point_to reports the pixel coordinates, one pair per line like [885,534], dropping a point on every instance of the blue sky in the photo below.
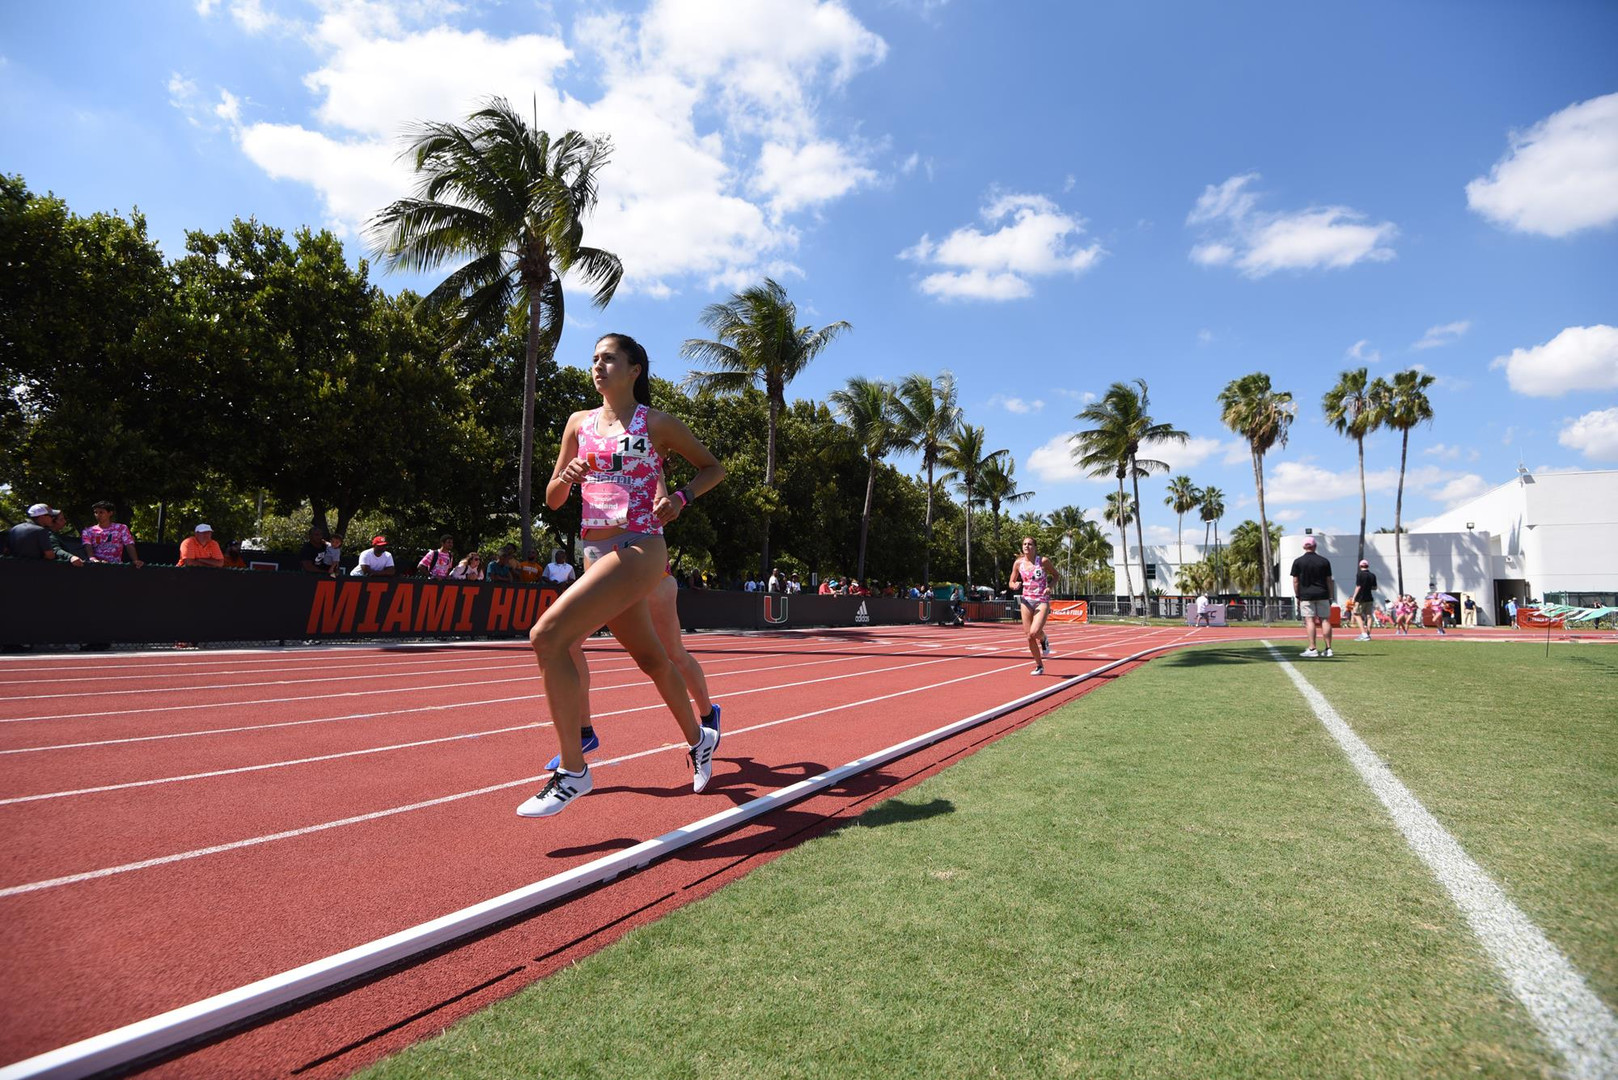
[1041,197]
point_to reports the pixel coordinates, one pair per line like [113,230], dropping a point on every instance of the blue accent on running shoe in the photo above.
[715,723]
[592,741]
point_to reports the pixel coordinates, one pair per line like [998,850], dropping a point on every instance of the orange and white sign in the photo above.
[1070,611]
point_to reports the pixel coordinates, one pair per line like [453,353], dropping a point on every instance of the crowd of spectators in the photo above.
[46,535]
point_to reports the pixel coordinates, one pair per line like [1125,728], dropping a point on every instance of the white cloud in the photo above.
[1035,238]
[815,173]
[1182,456]
[1451,453]
[1287,516]
[713,109]
[1579,358]
[1016,404]
[1442,335]
[229,108]
[1262,242]
[1303,482]
[1560,176]
[1053,462]
[1363,352]
[1595,435]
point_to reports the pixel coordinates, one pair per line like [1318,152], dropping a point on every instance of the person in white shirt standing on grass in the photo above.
[1313,586]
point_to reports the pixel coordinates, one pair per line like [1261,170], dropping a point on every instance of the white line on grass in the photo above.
[1568,1014]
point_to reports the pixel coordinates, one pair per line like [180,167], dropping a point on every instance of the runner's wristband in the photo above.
[685,497]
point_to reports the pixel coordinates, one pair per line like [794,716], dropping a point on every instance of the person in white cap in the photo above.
[1364,599]
[36,539]
[1313,586]
[201,549]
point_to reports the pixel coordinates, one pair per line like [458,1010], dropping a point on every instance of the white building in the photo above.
[1536,537]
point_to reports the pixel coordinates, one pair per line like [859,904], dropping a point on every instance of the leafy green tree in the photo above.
[511,200]
[1351,410]
[1401,407]
[998,487]
[868,407]
[1183,497]
[757,342]
[96,403]
[964,459]
[1250,408]
[1248,558]
[929,409]
[1120,511]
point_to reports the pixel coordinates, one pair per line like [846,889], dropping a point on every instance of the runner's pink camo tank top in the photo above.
[622,484]
[1035,588]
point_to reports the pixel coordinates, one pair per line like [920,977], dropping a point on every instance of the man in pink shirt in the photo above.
[106,540]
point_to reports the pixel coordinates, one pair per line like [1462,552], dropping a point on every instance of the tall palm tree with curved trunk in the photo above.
[964,458]
[1183,497]
[868,407]
[757,342]
[928,410]
[1120,511]
[998,487]
[511,201]
[1212,509]
[1351,410]
[1091,548]
[1262,416]
[1122,425]
[1401,407]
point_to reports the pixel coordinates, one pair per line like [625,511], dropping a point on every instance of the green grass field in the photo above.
[1177,875]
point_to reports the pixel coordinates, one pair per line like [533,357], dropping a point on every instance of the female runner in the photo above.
[1030,575]
[611,453]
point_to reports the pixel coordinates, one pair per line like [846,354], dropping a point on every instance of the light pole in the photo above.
[1067,545]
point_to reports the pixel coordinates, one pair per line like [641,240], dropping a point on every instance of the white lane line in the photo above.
[424,742]
[1568,1014]
[163,860]
[397,712]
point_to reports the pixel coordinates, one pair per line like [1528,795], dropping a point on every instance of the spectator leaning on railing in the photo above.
[35,538]
[375,561]
[201,549]
[106,541]
[437,564]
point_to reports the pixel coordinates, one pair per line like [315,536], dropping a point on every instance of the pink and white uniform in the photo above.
[622,484]
[1036,588]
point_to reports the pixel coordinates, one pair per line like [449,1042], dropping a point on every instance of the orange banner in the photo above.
[1531,617]
[1070,611]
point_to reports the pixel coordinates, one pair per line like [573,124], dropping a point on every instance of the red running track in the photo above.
[180,824]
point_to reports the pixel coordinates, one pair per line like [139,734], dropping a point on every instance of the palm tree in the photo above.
[868,407]
[1122,424]
[1351,410]
[1213,508]
[1401,407]
[963,458]
[511,201]
[1120,511]
[757,340]
[997,487]
[1091,548]
[928,411]
[1183,497]
[1250,408]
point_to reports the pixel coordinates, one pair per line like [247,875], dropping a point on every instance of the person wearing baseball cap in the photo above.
[201,549]
[36,538]
[1313,586]
[376,560]
[1364,599]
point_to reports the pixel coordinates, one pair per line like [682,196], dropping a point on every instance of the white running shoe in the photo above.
[1039,669]
[701,756]
[1328,651]
[562,788]
[1045,646]
[1308,652]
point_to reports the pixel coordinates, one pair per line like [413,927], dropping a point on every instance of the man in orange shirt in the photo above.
[201,549]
